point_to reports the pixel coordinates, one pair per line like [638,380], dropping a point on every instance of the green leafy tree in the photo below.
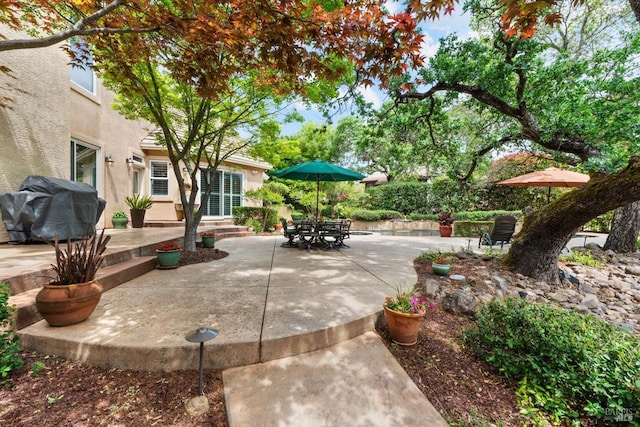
[582,110]
[198,134]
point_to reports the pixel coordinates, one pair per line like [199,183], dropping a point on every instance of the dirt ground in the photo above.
[49,391]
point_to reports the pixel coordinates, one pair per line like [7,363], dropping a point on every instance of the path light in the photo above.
[201,335]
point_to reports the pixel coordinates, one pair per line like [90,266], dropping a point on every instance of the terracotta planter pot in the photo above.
[63,305]
[208,241]
[137,218]
[446,230]
[441,269]
[403,327]
[168,259]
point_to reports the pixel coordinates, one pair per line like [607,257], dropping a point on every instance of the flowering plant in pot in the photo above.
[208,239]
[446,224]
[404,313]
[74,293]
[168,255]
[441,265]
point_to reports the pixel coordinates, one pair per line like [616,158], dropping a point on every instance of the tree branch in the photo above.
[78,29]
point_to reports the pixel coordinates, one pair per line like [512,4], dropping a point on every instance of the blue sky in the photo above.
[458,23]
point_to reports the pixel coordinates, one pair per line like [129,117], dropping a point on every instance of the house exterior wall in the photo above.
[45,110]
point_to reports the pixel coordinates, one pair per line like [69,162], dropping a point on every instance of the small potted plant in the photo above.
[446,224]
[208,239]
[168,255]
[441,266]
[119,220]
[404,313]
[138,205]
[74,293]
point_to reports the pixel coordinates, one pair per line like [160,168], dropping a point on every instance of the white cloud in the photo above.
[371,95]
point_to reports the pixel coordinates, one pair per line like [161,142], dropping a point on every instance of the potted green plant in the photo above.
[138,205]
[446,224]
[208,239]
[74,293]
[404,313]
[168,255]
[441,266]
[119,220]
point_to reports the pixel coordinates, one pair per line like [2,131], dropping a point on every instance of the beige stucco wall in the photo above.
[95,122]
[34,131]
[45,110]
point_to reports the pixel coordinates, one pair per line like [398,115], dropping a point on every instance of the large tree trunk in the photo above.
[635,6]
[625,227]
[536,249]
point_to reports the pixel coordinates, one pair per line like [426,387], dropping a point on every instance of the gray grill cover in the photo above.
[45,207]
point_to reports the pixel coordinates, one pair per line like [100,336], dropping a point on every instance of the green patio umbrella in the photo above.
[318,170]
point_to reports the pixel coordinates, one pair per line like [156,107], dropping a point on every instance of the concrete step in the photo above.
[109,277]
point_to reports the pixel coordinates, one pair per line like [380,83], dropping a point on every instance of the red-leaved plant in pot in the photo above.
[446,224]
[74,293]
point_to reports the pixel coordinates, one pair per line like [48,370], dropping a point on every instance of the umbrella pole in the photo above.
[549,195]
[317,199]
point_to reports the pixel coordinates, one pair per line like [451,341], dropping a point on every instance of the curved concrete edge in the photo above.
[184,357]
[315,340]
[354,383]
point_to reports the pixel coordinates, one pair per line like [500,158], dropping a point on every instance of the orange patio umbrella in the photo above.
[550,177]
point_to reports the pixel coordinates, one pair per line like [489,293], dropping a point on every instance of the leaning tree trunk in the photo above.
[625,227]
[536,249]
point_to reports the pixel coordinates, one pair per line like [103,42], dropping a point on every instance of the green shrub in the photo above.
[600,224]
[484,215]
[377,215]
[297,215]
[415,216]
[582,258]
[242,214]
[404,197]
[567,364]
[9,346]
[471,228]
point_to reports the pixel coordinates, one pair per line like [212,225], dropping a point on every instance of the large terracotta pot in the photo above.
[403,327]
[63,305]
[446,230]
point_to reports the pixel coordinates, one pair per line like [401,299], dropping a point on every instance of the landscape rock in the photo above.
[611,292]
[460,302]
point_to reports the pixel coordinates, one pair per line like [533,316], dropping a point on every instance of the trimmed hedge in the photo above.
[471,228]
[377,215]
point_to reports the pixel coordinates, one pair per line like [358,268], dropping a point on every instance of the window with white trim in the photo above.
[81,73]
[159,177]
[84,167]
[226,193]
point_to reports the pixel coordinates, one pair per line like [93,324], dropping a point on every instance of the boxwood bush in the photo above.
[567,364]
[375,215]
[471,228]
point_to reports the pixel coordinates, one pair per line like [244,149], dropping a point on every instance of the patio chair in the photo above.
[501,232]
[289,233]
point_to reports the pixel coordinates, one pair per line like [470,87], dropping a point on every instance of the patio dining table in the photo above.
[327,234]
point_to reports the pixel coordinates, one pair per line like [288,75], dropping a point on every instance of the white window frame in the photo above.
[97,174]
[87,69]
[153,178]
